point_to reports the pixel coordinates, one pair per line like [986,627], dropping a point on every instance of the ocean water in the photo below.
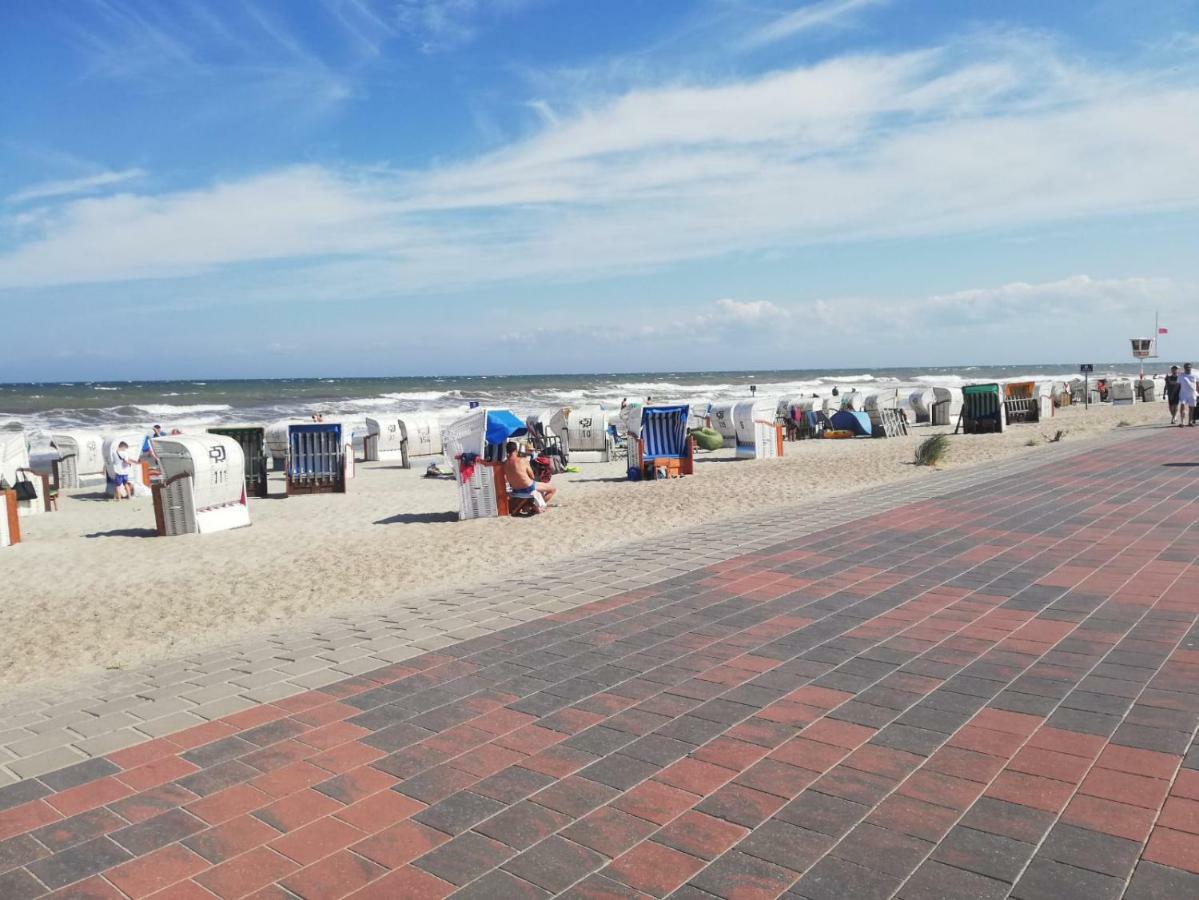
[43,407]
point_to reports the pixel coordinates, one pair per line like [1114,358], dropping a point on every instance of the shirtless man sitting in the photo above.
[520,475]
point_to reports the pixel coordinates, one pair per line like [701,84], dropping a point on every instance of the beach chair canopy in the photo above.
[479,427]
[664,430]
[502,425]
[850,420]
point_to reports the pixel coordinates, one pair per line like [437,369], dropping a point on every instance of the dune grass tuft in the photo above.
[932,449]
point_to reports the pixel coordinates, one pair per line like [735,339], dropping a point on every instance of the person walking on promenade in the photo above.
[1188,394]
[1172,393]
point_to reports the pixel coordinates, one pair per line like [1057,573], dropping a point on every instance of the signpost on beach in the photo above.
[1085,371]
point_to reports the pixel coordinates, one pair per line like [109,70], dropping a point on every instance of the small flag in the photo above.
[1163,331]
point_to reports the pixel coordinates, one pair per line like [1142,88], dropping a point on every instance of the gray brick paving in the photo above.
[46,729]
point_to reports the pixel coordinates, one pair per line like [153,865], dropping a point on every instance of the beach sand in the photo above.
[92,588]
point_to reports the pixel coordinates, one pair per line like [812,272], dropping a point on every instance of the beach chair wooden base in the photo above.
[10,524]
[315,487]
[522,507]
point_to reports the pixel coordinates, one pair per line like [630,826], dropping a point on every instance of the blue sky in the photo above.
[455,186]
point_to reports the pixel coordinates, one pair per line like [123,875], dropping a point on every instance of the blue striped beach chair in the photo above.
[316,459]
[664,442]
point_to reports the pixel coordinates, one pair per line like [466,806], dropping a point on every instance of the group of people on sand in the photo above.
[122,465]
[1182,394]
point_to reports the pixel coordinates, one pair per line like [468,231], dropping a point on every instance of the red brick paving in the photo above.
[990,694]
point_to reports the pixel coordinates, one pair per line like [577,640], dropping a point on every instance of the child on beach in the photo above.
[120,469]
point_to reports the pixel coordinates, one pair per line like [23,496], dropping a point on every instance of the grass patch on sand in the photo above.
[932,450]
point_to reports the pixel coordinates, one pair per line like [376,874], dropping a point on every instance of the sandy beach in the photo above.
[92,588]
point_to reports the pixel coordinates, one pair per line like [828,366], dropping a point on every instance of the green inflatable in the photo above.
[707,438]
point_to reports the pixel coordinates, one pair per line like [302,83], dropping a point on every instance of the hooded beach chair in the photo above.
[252,441]
[723,421]
[1120,391]
[80,458]
[946,405]
[921,402]
[587,435]
[758,432]
[203,485]
[1022,401]
[384,442]
[983,409]
[658,440]
[475,446]
[317,462]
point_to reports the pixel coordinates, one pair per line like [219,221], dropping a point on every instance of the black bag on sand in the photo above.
[24,488]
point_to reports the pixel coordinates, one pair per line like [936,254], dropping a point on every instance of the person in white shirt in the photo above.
[1188,394]
[120,470]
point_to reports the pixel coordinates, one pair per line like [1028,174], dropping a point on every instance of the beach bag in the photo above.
[24,488]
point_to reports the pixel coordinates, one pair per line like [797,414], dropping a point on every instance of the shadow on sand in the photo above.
[418,518]
[124,532]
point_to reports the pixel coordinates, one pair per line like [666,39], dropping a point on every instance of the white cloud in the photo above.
[1005,134]
[811,16]
[1034,317]
[71,186]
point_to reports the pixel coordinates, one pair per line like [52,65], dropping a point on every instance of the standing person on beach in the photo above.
[148,444]
[1188,394]
[121,467]
[1172,393]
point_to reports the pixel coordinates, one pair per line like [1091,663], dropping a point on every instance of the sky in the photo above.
[285,188]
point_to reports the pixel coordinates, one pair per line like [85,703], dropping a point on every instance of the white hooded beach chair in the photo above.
[420,436]
[80,458]
[946,406]
[587,435]
[203,485]
[1120,391]
[921,402]
[758,432]
[384,441]
[723,421]
[475,446]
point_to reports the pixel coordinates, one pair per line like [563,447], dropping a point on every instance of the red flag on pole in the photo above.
[1163,331]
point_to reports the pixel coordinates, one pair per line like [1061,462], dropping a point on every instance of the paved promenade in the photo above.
[989,693]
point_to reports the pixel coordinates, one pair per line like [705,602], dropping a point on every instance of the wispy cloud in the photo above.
[186,46]
[88,184]
[1004,134]
[810,17]
[440,25]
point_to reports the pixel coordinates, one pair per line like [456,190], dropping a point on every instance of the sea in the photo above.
[43,407]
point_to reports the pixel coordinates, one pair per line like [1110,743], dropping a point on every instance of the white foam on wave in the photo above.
[666,387]
[167,409]
[100,387]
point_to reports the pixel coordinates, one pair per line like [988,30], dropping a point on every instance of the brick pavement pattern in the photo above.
[993,693]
